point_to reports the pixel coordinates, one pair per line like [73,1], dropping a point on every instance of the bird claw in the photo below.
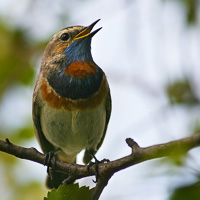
[96,163]
[50,161]
[48,158]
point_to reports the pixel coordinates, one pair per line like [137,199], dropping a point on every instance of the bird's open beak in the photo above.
[86,32]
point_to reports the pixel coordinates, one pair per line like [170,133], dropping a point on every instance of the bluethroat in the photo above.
[71,99]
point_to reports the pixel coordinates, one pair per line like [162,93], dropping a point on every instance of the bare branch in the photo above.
[106,170]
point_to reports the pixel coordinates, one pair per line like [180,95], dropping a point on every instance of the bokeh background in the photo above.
[150,52]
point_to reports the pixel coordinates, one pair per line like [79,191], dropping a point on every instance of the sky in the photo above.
[143,46]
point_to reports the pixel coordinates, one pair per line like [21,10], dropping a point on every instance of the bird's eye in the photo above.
[64,36]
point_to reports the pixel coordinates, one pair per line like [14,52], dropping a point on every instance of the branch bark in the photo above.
[106,170]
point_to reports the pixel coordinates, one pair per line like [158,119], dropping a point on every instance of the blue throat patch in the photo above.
[79,51]
[75,88]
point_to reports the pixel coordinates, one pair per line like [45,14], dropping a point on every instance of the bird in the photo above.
[71,100]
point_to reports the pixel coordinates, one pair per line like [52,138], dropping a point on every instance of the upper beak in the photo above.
[86,32]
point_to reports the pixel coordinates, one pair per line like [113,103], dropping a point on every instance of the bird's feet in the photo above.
[50,161]
[96,163]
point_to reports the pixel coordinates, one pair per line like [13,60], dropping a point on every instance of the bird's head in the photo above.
[71,44]
[67,63]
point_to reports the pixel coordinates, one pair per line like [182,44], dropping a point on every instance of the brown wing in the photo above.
[87,156]
[36,111]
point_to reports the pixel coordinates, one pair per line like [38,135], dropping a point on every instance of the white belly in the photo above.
[73,131]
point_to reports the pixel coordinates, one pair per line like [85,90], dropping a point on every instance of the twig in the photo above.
[106,170]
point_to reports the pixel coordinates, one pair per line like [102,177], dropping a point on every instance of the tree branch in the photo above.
[106,170]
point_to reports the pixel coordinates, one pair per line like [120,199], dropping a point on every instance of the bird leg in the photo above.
[96,163]
[49,157]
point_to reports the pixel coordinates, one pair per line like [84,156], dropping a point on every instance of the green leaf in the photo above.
[69,192]
[188,192]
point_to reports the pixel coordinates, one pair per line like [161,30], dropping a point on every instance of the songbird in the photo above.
[71,99]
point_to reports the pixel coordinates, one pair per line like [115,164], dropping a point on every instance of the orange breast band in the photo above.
[56,101]
[81,69]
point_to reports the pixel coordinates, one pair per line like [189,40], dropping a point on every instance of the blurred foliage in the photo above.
[191,10]
[30,191]
[188,192]
[181,92]
[178,160]
[196,126]
[69,192]
[19,135]
[16,52]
